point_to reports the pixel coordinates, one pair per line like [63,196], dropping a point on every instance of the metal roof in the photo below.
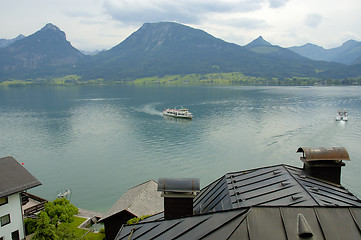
[279,185]
[194,227]
[320,154]
[276,202]
[143,199]
[269,223]
[14,177]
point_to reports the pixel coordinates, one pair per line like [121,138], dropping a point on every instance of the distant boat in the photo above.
[342,115]
[178,113]
[64,194]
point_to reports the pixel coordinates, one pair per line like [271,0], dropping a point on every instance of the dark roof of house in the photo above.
[276,202]
[143,199]
[279,185]
[14,177]
[255,223]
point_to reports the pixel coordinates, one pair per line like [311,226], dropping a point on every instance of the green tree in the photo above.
[60,210]
[44,230]
[47,224]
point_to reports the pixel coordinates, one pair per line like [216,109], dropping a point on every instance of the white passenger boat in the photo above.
[342,115]
[178,113]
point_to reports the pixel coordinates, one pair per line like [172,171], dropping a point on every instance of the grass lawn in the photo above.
[80,232]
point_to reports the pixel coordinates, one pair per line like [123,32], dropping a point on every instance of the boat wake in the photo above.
[149,109]
[100,99]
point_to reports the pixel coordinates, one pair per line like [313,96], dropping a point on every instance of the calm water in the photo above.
[101,141]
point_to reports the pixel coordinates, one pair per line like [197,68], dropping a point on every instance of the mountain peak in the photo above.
[349,44]
[258,42]
[165,27]
[152,37]
[19,37]
[44,49]
[51,27]
[6,42]
[311,47]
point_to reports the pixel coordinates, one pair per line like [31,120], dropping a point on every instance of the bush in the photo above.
[30,225]
[65,233]
[136,219]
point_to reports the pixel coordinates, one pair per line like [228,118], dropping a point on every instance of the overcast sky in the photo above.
[102,24]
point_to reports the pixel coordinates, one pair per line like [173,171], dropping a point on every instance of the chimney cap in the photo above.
[324,154]
[178,185]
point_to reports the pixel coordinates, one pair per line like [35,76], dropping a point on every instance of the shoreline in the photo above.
[85,213]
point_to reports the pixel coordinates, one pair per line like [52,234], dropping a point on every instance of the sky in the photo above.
[102,24]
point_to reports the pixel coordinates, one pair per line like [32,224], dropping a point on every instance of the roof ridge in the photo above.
[303,187]
[150,180]
[254,169]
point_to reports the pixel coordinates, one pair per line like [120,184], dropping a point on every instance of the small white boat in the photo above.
[342,115]
[64,194]
[178,113]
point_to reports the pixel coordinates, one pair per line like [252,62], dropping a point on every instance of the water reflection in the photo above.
[177,120]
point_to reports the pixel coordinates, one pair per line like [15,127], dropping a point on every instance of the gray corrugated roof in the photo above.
[253,223]
[14,177]
[140,200]
[280,185]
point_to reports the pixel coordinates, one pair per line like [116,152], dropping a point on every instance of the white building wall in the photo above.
[13,207]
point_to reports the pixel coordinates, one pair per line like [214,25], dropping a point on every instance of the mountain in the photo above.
[258,42]
[261,46]
[311,51]
[158,49]
[164,48]
[348,53]
[91,52]
[357,60]
[6,42]
[43,52]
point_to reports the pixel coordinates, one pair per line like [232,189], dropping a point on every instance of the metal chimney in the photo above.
[324,163]
[178,196]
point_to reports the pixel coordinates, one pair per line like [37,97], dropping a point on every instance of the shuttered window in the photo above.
[5,220]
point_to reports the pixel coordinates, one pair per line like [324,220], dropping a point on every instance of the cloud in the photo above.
[244,23]
[184,11]
[79,14]
[277,3]
[138,11]
[313,20]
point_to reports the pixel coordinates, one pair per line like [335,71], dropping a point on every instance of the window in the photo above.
[3,201]
[15,235]
[5,220]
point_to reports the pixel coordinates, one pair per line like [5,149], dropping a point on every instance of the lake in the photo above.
[99,141]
